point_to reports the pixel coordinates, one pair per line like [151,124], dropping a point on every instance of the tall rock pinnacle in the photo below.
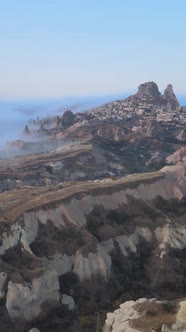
[149,93]
[170,98]
[26,131]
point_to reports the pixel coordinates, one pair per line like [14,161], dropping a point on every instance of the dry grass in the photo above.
[155,315]
[14,202]
[31,160]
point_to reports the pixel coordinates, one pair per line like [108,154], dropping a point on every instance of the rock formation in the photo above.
[112,132]
[147,315]
[177,156]
[16,144]
[42,129]
[151,130]
[26,131]
[119,134]
[170,98]
[149,93]
[57,121]
[68,118]
[182,135]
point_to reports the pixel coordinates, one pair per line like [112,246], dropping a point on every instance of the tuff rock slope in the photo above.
[118,236]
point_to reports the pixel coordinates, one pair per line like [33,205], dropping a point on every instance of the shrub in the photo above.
[84,322]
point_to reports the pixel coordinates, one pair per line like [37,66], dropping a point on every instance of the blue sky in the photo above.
[56,48]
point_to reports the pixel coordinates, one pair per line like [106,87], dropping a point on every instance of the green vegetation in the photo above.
[100,217]
[51,239]
[84,323]
[98,323]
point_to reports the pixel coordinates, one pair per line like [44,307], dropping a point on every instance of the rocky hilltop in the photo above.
[117,139]
[149,93]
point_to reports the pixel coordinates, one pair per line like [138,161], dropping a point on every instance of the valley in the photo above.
[92,215]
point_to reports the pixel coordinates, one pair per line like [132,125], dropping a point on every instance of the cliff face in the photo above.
[100,238]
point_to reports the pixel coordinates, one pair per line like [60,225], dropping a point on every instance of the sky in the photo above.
[59,48]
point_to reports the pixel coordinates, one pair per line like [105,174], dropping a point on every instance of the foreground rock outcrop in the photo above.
[147,315]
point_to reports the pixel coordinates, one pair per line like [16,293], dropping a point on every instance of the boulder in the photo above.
[68,301]
[181,315]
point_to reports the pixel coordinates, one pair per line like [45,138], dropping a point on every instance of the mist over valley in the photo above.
[15,114]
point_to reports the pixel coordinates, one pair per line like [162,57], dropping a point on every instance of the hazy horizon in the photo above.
[14,114]
[110,97]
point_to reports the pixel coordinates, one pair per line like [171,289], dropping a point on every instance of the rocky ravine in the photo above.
[121,237]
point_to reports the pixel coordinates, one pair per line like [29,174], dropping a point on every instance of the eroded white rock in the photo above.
[25,301]
[68,301]
[98,263]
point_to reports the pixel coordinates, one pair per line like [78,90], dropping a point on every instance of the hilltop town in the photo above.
[132,135]
[139,113]
[147,103]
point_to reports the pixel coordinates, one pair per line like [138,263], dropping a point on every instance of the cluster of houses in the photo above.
[119,110]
